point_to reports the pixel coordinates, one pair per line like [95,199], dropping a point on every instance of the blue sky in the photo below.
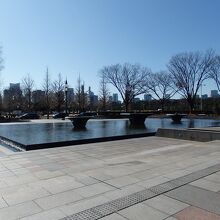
[75,37]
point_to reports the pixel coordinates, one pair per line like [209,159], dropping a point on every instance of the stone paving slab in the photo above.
[166,204]
[19,179]
[122,181]
[19,211]
[153,182]
[46,215]
[114,217]
[192,213]
[59,184]
[84,179]
[214,177]
[207,184]
[58,199]
[94,189]
[24,194]
[142,212]
[195,196]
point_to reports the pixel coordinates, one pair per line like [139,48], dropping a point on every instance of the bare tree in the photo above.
[161,85]
[47,87]
[83,97]
[215,72]
[58,87]
[189,70]
[28,85]
[103,92]
[128,79]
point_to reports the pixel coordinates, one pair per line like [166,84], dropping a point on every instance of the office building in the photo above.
[205,96]
[12,97]
[115,97]
[147,97]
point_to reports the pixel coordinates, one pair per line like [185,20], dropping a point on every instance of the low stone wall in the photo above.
[186,134]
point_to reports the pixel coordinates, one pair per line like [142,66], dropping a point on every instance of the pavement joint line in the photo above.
[101,181]
[116,205]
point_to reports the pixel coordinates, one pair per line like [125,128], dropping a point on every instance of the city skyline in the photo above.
[80,37]
[115,96]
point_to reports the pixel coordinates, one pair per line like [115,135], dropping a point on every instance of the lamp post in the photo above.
[66,90]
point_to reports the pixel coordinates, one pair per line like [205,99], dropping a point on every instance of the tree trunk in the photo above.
[127,106]
[162,102]
[191,106]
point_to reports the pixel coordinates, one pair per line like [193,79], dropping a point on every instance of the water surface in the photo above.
[36,133]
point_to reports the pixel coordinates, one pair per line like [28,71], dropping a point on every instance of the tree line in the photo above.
[185,74]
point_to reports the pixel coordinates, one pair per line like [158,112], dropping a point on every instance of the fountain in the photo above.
[176,117]
[79,122]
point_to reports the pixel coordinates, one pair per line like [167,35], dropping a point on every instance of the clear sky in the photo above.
[75,37]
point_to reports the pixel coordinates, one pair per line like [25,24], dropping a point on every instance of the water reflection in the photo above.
[104,124]
[191,123]
[215,123]
[130,126]
[176,122]
[162,122]
[79,129]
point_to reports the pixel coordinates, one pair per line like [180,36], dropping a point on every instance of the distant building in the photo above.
[70,94]
[205,96]
[136,100]
[115,97]
[12,97]
[14,87]
[147,97]
[110,98]
[93,99]
[214,93]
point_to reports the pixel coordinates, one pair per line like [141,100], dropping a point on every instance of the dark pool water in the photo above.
[36,133]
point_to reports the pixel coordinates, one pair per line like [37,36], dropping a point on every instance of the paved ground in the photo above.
[56,183]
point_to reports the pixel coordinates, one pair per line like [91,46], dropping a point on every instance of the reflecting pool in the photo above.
[37,133]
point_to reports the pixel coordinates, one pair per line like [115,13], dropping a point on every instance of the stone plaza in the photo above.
[142,178]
